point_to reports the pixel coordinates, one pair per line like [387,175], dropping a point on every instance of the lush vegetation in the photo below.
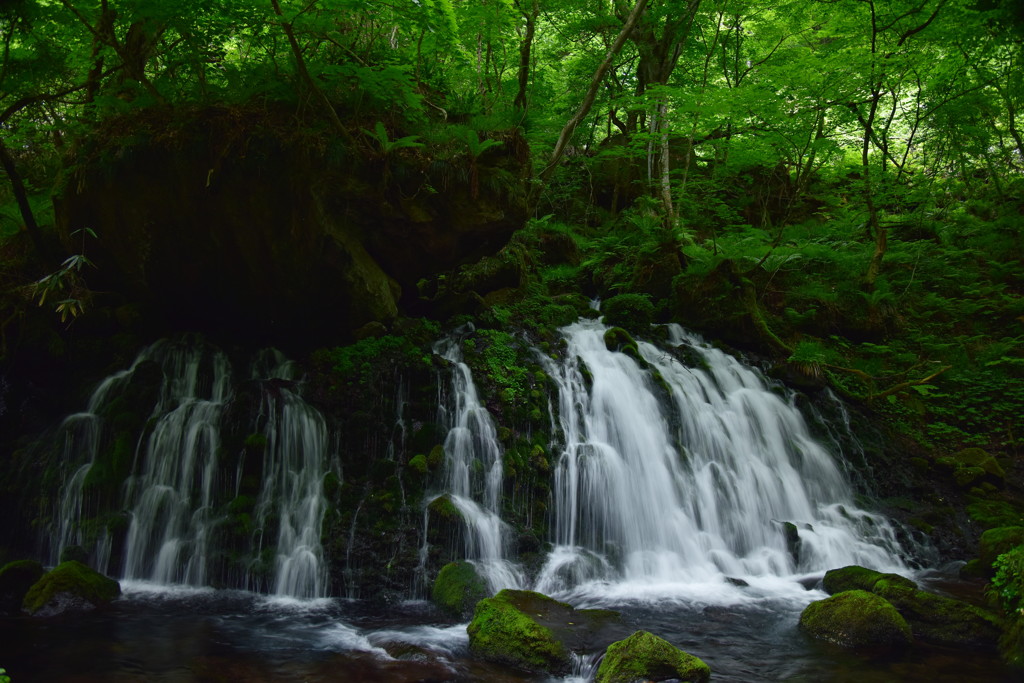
[834,185]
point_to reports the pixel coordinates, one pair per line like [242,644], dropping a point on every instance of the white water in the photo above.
[670,490]
[176,493]
[474,475]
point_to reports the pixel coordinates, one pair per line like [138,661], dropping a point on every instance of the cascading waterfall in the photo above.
[474,475]
[685,481]
[294,465]
[177,494]
[170,499]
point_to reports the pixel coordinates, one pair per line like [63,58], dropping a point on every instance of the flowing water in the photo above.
[688,493]
[178,480]
[474,476]
[692,482]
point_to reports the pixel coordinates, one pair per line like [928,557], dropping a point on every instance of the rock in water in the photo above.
[531,631]
[646,657]
[69,587]
[856,618]
[458,588]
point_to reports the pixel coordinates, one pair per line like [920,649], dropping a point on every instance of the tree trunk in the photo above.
[21,197]
[595,83]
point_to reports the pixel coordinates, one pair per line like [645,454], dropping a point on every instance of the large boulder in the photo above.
[15,580]
[646,657]
[855,577]
[70,587]
[938,619]
[458,587]
[932,618]
[530,631]
[856,618]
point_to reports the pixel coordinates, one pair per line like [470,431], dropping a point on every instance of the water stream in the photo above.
[687,492]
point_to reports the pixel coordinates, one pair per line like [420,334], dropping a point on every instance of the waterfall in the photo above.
[474,474]
[691,481]
[294,464]
[182,485]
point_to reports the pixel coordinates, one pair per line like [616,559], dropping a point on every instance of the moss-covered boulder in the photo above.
[15,580]
[938,619]
[646,657]
[995,542]
[632,311]
[458,588]
[531,631]
[976,458]
[855,577]
[69,587]
[504,630]
[856,618]
[932,618]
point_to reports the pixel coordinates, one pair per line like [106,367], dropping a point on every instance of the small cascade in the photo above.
[473,475]
[688,480]
[182,489]
[170,497]
[294,465]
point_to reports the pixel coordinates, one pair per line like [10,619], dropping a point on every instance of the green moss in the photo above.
[644,656]
[632,311]
[418,463]
[436,457]
[458,588]
[855,577]
[443,508]
[938,619]
[502,632]
[617,339]
[995,542]
[856,618]
[72,578]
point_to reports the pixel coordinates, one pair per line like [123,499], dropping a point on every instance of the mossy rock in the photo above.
[646,657]
[436,457]
[855,577]
[458,588]
[941,620]
[617,339]
[69,587]
[443,509]
[632,311]
[418,463]
[932,618]
[533,632]
[502,631]
[857,618]
[15,580]
[995,542]
[978,458]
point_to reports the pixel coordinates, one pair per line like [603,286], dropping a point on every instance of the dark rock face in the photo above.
[213,220]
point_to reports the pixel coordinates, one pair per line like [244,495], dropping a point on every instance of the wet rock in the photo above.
[531,631]
[856,618]
[458,588]
[69,587]
[646,657]
[932,618]
[855,577]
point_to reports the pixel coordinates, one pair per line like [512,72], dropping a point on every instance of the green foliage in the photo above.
[361,363]
[631,311]
[387,146]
